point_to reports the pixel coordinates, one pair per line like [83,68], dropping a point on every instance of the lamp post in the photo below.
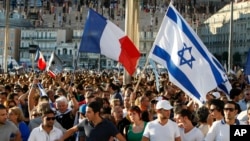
[131,28]
[230,38]
[5,54]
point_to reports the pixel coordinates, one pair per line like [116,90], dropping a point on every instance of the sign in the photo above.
[238,132]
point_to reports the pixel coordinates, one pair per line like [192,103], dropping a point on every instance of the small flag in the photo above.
[102,36]
[41,63]
[43,93]
[55,65]
[157,83]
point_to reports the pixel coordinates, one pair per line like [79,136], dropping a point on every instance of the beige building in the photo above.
[214,32]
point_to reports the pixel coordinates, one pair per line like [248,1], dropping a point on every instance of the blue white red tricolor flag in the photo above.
[41,63]
[190,65]
[102,36]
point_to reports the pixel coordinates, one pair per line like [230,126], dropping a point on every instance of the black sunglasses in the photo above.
[50,118]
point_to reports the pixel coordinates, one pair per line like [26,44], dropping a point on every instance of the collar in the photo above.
[58,113]
[42,130]
[237,122]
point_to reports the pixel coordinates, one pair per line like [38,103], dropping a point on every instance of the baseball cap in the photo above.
[163,104]
[82,108]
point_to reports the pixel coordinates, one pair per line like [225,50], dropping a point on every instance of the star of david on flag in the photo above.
[190,65]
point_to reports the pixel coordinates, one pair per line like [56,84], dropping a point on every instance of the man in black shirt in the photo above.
[94,127]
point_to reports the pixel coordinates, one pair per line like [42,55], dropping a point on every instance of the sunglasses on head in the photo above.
[50,118]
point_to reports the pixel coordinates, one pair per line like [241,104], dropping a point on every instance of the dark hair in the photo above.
[202,114]
[148,93]
[2,107]
[236,105]
[4,93]
[95,105]
[12,95]
[44,97]
[234,92]
[135,109]
[185,112]
[47,111]
[218,103]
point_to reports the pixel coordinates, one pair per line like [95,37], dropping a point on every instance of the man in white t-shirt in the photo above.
[220,130]
[162,128]
[187,130]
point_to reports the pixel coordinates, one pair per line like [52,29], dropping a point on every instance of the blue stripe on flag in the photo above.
[171,14]
[43,93]
[93,31]
[178,74]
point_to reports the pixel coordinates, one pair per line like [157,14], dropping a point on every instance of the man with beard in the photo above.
[46,131]
[162,128]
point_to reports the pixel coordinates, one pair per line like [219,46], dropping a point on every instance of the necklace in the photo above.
[139,126]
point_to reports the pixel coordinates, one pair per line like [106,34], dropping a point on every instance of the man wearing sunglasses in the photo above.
[46,131]
[220,130]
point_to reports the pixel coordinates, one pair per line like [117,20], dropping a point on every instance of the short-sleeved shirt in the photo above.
[157,132]
[39,134]
[8,130]
[101,132]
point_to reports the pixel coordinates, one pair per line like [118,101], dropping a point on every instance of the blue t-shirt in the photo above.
[25,131]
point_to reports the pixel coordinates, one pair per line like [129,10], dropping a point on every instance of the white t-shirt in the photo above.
[157,132]
[219,131]
[193,135]
[38,134]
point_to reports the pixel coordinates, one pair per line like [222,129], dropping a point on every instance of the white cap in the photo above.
[216,95]
[163,104]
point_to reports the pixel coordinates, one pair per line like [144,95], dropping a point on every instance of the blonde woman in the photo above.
[16,116]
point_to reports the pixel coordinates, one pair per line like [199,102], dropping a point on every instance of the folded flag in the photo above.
[190,65]
[55,65]
[41,63]
[102,36]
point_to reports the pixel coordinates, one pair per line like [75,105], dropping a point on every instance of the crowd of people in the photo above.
[97,106]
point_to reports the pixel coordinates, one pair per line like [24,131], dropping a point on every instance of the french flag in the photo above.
[102,36]
[41,63]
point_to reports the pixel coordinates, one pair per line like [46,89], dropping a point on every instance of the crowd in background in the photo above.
[88,105]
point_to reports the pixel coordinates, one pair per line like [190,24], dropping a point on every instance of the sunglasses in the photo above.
[229,109]
[50,118]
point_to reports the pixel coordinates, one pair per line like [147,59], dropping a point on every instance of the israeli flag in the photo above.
[190,65]
[43,93]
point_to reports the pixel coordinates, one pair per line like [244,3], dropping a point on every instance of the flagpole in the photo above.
[131,29]
[230,38]
[5,56]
